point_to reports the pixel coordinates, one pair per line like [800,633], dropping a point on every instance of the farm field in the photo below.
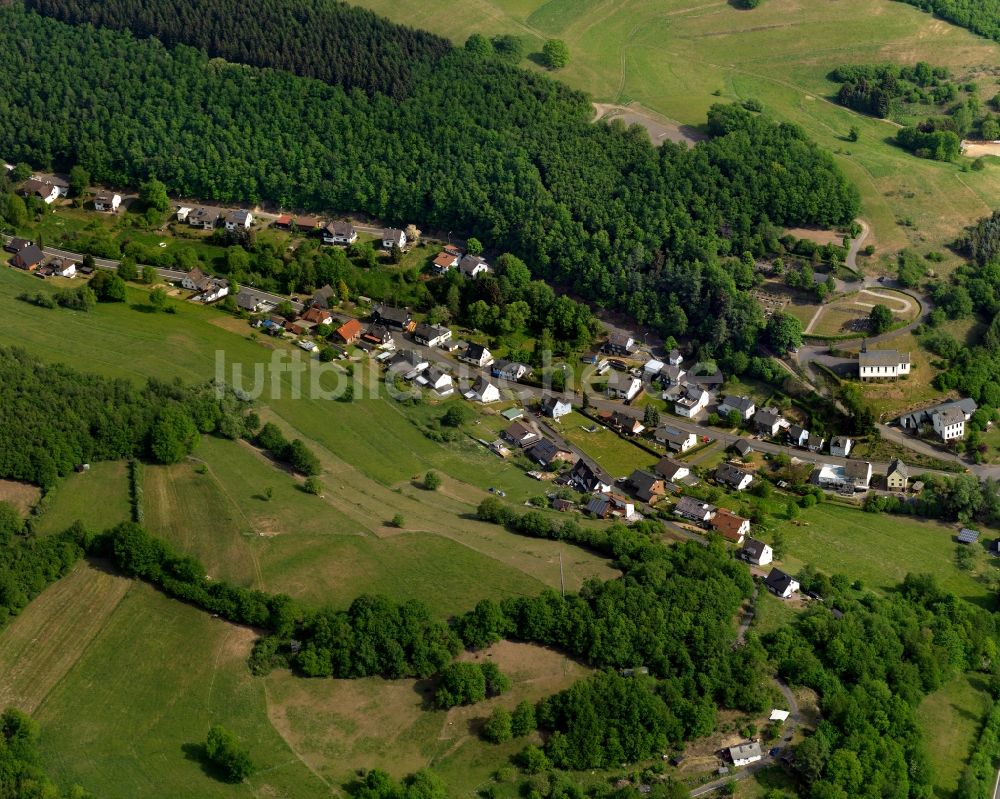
[879,549]
[950,720]
[98,498]
[23,496]
[677,58]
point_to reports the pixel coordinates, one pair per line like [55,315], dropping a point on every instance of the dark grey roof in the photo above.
[643,481]
[727,473]
[883,358]
[857,470]
[668,467]
[598,505]
[29,255]
[839,441]
[428,332]
[742,446]
[753,548]
[398,316]
[739,403]
[778,581]
[475,351]
[898,467]
[766,416]
[340,228]
[690,506]
[543,451]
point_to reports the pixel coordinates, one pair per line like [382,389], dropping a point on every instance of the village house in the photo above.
[252,302]
[674,357]
[555,408]
[652,368]
[733,477]
[882,364]
[781,584]
[692,402]
[393,318]
[599,506]
[622,506]
[477,355]
[350,331]
[107,201]
[213,289]
[948,424]
[63,267]
[379,336]
[393,237]
[509,370]
[797,435]
[324,297]
[756,552]
[339,232]
[853,475]
[767,422]
[814,443]
[408,363]
[194,280]
[589,479]
[472,266]
[619,343]
[744,754]
[623,423]
[671,470]
[205,218]
[623,386]
[47,190]
[437,380]
[183,212]
[742,447]
[840,446]
[675,439]
[16,244]
[318,316]
[744,406]
[520,435]
[28,258]
[671,375]
[431,335]
[648,487]
[730,526]
[444,262]
[545,453]
[898,476]
[694,510]
[483,391]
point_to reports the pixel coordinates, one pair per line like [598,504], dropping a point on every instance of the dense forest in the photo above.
[979,16]
[477,146]
[324,39]
[872,661]
[54,419]
[882,89]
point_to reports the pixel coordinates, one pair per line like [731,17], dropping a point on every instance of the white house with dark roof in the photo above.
[882,364]
[477,355]
[431,335]
[472,266]
[436,380]
[692,401]
[623,386]
[107,201]
[756,552]
[205,218]
[619,343]
[767,421]
[744,754]
[393,237]
[483,391]
[949,423]
[675,438]
[733,476]
[674,358]
[589,479]
[744,406]
[840,446]
[238,220]
[556,407]
[672,470]
[694,509]
[781,584]
[339,232]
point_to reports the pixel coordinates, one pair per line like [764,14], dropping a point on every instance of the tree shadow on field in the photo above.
[195,752]
[142,307]
[538,58]
[425,690]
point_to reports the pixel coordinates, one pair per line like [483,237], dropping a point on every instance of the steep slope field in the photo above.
[670,57]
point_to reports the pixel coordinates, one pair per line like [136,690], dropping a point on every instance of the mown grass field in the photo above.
[879,549]
[678,57]
[98,498]
[950,719]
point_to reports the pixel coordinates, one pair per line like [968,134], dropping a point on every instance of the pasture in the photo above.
[950,720]
[677,58]
[99,498]
[879,549]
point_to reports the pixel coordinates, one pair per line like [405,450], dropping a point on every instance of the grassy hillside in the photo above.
[672,56]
